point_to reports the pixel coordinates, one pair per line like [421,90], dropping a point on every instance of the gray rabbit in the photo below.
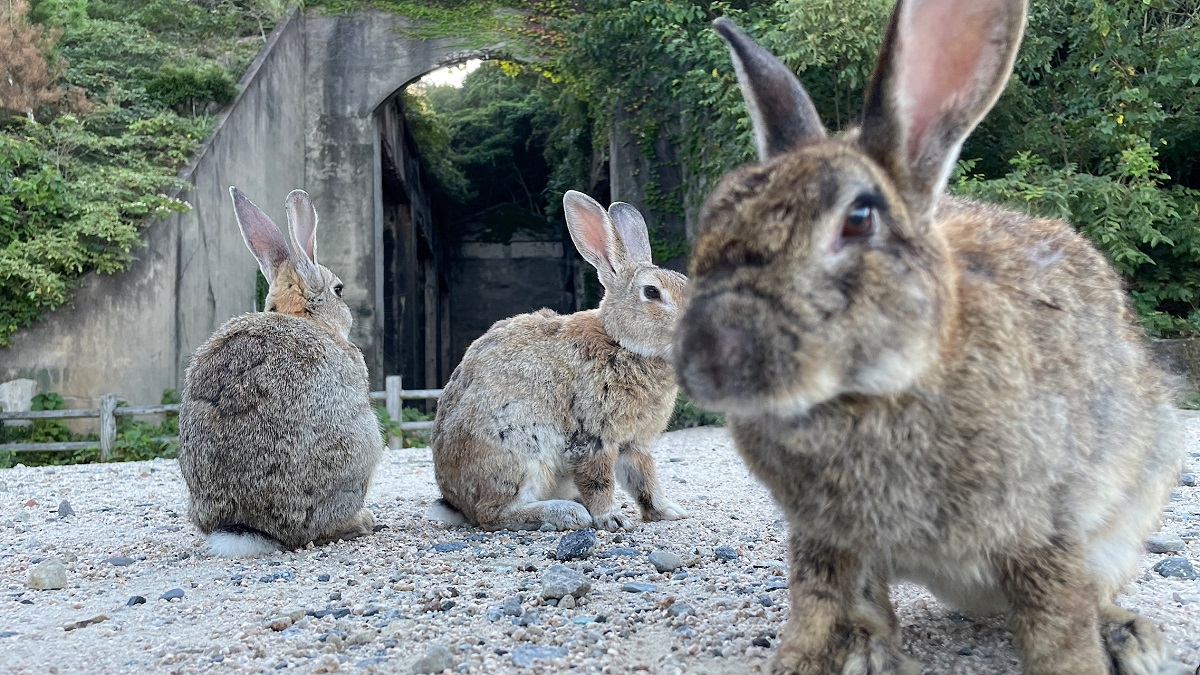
[277,436]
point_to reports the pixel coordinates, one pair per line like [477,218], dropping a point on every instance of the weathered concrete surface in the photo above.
[133,333]
[305,118]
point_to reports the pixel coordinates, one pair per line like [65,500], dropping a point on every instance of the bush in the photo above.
[190,88]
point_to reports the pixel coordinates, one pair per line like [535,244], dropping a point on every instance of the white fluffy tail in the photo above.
[445,512]
[241,544]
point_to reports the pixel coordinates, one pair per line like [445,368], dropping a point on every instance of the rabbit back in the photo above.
[533,392]
[277,433]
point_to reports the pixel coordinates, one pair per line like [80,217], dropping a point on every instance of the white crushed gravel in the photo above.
[398,602]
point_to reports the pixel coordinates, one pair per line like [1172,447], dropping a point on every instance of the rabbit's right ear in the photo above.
[782,114]
[591,230]
[262,236]
[631,227]
[942,66]
[302,217]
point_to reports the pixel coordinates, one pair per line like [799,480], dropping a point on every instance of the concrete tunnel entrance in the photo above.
[447,277]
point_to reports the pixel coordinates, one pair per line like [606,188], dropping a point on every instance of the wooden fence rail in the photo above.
[108,412]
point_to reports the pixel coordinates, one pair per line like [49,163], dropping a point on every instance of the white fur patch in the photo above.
[449,515]
[230,545]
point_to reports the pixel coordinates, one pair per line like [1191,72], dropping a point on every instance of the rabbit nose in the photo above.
[709,356]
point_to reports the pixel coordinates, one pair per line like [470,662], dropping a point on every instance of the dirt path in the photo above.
[419,595]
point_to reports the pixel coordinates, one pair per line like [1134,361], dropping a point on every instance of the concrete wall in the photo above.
[306,117]
[133,333]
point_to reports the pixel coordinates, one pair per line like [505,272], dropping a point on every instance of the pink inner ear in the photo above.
[943,50]
[594,233]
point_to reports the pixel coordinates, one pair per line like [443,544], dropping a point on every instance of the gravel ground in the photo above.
[417,597]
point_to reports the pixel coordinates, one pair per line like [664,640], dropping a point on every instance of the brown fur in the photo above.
[546,413]
[278,438]
[959,399]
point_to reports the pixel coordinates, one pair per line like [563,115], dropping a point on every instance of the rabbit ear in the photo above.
[262,236]
[591,230]
[302,217]
[942,66]
[632,230]
[782,113]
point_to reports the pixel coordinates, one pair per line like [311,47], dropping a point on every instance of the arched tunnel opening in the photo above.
[472,230]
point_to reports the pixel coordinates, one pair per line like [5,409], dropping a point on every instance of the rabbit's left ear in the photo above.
[781,112]
[634,237]
[942,66]
[302,218]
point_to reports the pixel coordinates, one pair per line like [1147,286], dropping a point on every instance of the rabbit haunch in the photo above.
[278,439]
[546,413]
[931,388]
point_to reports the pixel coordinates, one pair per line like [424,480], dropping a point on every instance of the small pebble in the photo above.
[173,594]
[1186,598]
[680,609]
[512,606]
[50,574]
[577,544]
[620,551]
[560,580]
[665,561]
[760,642]
[637,587]
[1164,544]
[436,659]
[136,600]
[725,553]
[567,602]
[86,622]
[322,577]
[120,561]
[1187,479]
[525,655]
[1177,567]
[64,509]
[449,546]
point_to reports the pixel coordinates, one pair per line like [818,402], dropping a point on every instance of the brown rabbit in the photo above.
[277,437]
[544,409]
[932,389]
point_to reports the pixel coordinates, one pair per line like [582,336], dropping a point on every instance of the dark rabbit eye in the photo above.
[337,290]
[859,223]
[651,293]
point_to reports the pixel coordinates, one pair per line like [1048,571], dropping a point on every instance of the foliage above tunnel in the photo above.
[82,173]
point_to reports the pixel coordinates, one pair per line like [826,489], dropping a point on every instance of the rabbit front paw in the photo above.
[866,655]
[665,509]
[611,521]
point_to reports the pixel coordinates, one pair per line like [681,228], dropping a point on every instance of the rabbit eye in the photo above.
[337,290]
[859,223]
[651,293]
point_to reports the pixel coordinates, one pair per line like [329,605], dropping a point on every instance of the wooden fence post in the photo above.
[393,385]
[108,425]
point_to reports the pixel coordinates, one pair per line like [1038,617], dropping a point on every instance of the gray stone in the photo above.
[577,544]
[1177,567]
[64,509]
[119,561]
[512,606]
[639,587]
[173,594]
[525,655]
[620,551]
[136,600]
[1187,479]
[560,580]
[724,553]
[567,602]
[8,633]
[678,608]
[449,546]
[665,561]
[1186,598]
[50,574]
[1164,544]
[776,583]
[436,659]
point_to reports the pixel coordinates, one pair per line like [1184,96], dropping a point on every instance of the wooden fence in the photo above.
[392,396]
